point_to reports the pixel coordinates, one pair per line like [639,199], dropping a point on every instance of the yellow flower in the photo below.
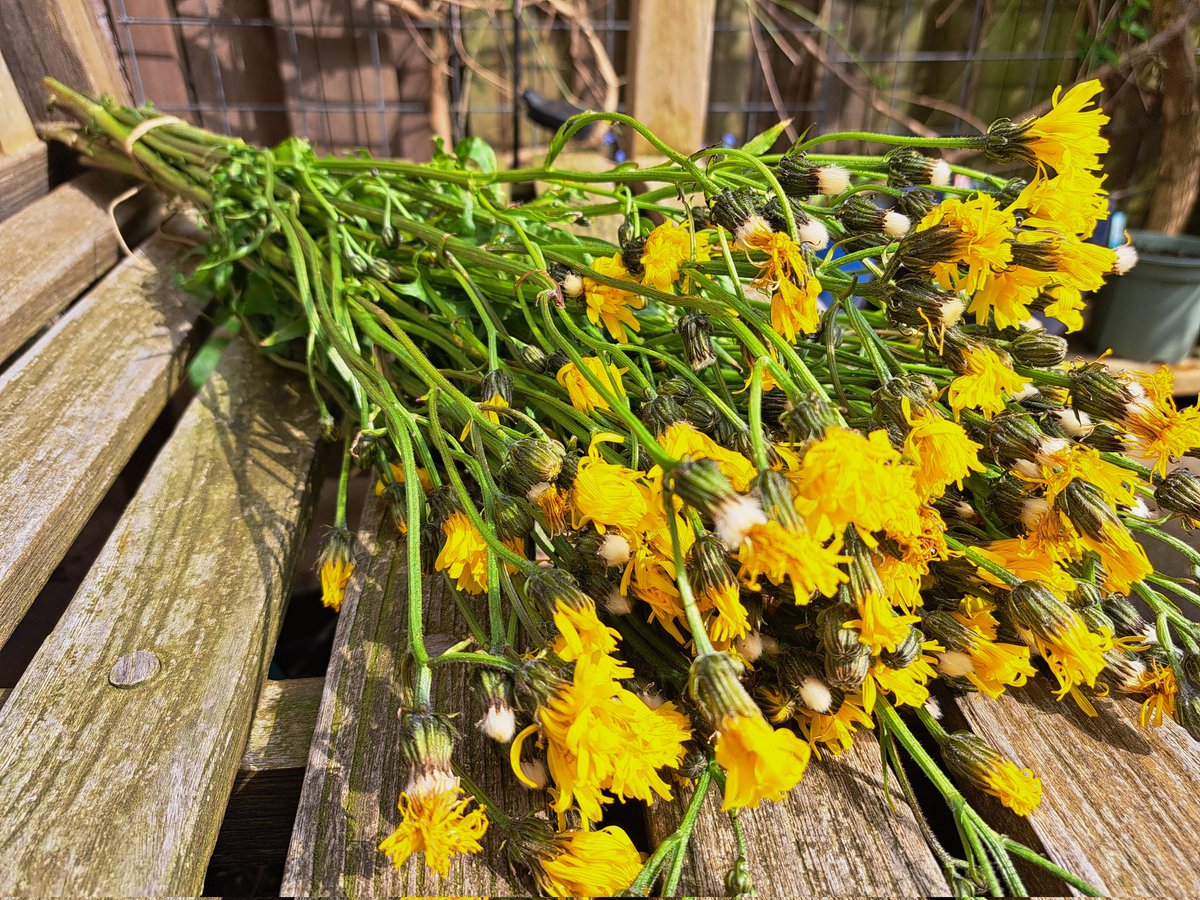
[1006,296]
[600,863]
[553,506]
[973,758]
[848,479]
[398,477]
[438,825]
[581,632]
[1124,559]
[584,397]
[491,415]
[336,562]
[602,737]
[1060,466]
[1067,138]
[880,626]
[650,577]
[791,283]
[667,247]
[1163,431]
[908,685]
[835,730]
[1018,789]
[988,377]
[683,441]
[989,665]
[609,496]
[1027,560]
[760,763]
[1067,306]
[1071,201]
[940,451]
[782,555]
[1159,684]
[612,305]
[983,232]
[463,557]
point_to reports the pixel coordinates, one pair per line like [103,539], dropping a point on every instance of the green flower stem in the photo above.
[1187,552]
[675,846]
[339,516]
[983,562]
[870,137]
[756,429]
[490,660]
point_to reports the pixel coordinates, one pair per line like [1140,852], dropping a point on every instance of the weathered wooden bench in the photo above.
[144,734]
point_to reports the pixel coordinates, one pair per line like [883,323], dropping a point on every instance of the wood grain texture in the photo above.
[63,38]
[58,245]
[354,769]
[76,405]
[833,835]
[283,725]
[121,791]
[16,130]
[670,53]
[24,176]
[1119,805]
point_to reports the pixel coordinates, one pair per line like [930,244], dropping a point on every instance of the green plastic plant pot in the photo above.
[1152,313]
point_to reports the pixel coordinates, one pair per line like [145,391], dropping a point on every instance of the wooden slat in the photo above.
[283,725]
[1119,803]
[77,404]
[63,38]
[16,130]
[354,769]
[25,175]
[60,244]
[120,791]
[670,51]
[835,834]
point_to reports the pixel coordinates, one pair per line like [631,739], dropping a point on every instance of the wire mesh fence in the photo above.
[385,75]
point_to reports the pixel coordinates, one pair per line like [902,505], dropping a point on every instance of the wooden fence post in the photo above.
[670,52]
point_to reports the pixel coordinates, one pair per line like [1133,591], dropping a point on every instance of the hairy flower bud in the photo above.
[499,722]
[1095,392]
[1039,348]
[531,461]
[514,518]
[659,412]
[909,168]
[916,303]
[1179,492]
[696,330]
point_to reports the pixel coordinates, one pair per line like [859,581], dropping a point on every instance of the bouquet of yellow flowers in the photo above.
[719,495]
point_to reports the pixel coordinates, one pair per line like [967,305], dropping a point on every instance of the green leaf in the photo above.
[477,151]
[763,142]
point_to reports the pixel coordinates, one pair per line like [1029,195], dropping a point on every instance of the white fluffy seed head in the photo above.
[1075,423]
[1025,393]
[535,771]
[896,225]
[572,285]
[430,782]
[813,233]
[756,225]
[734,518]
[815,695]
[652,698]
[933,707]
[1033,510]
[770,646]
[832,180]
[939,174]
[952,310]
[536,490]
[617,603]
[1026,467]
[614,550]
[955,664]
[499,723]
[1127,258]
[749,647]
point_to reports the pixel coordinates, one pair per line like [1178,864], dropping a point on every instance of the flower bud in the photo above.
[1005,141]
[530,461]
[443,503]
[808,230]
[514,518]
[971,757]
[496,383]
[556,360]
[889,399]
[569,281]
[426,744]
[708,567]
[922,250]
[846,659]
[678,388]
[335,563]
[1011,501]
[1034,606]
[801,178]
[1126,619]
[1010,191]
[906,651]
[632,251]
[1039,348]
[860,215]
[1014,436]
[1179,492]
[809,418]
[917,203]
[1190,664]
[566,475]
[909,168]
[916,303]
[533,358]
[549,588]
[659,412]
[775,495]
[1095,392]
[714,683]
[702,414]
[738,883]
[536,679]
[696,330]
[738,213]
[1085,505]
[1105,437]
[499,722]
